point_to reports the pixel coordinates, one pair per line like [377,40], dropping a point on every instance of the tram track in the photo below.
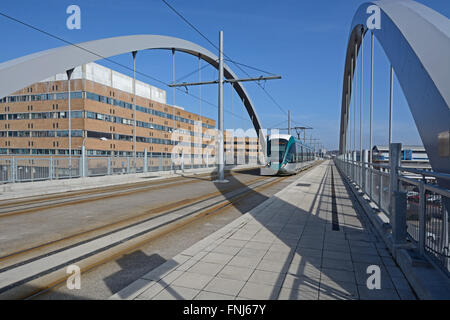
[53,274]
[135,232]
[33,204]
[117,224]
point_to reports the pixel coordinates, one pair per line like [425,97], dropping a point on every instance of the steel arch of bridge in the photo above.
[18,73]
[416,40]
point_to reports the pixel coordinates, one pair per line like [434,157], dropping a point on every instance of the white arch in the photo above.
[416,40]
[21,72]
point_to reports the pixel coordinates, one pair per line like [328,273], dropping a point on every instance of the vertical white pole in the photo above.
[134,109]
[221,120]
[371,98]
[350,104]
[200,106]
[360,171]
[361,98]
[69,75]
[173,99]
[200,87]
[173,89]
[145,161]
[391,102]
[289,121]
[371,113]
[83,160]
[355,102]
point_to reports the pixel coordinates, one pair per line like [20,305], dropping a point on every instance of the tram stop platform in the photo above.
[307,242]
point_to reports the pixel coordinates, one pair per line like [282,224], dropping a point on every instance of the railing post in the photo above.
[397,207]
[50,169]
[398,217]
[347,163]
[370,168]
[446,216]
[128,164]
[365,159]
[145,169]
[83,161]
[13,170]
[109,166]
[354,166]
[380,189]
[182,160]
[395,150]
[80,166]
[422,218]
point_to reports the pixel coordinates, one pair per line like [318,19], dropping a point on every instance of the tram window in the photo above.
[278,146]
[291,154]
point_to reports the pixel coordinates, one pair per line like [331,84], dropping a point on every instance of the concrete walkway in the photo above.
[305,242]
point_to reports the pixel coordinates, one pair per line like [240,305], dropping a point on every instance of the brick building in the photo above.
[34,121]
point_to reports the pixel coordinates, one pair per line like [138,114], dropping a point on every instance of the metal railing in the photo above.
[410,197]
[26,169]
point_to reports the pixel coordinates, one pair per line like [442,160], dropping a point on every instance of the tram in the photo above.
[286,155]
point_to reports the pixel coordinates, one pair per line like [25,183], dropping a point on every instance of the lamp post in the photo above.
[83,155]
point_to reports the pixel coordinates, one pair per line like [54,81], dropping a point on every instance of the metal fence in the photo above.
[425,204]
[25,169]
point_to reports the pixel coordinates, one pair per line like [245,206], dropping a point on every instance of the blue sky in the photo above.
[304,41]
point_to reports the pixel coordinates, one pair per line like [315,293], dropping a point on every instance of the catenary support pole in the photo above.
[289,121]
[69,75]
[200,87]
[173,101]
[220,116]
[134,110]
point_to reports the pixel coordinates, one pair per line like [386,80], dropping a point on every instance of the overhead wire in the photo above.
[229,59]
[106,59]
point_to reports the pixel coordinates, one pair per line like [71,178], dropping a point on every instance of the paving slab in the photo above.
[306,242]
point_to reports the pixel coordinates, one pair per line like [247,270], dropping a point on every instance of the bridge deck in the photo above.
[306,242]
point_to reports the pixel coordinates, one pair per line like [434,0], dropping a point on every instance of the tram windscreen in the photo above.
[276,149]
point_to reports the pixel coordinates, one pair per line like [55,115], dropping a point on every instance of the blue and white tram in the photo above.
[286,155]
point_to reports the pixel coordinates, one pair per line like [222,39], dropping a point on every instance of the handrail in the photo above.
[437,189]
[425,211]
[440,175]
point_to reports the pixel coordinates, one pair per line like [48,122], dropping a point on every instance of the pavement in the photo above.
[309,241]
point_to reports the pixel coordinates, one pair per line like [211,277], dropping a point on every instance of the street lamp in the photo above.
[83,155]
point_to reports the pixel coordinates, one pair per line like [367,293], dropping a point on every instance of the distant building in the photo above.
[412,156]
[240,150]
[34,120]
